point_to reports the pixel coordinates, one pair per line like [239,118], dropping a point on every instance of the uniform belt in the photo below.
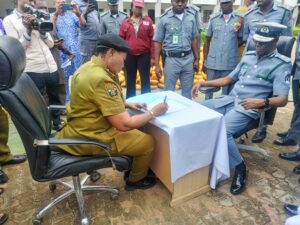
[177,54]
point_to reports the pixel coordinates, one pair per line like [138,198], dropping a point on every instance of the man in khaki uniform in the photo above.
[97,110]
[5,155]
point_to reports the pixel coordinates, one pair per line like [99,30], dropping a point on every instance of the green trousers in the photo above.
[5,154]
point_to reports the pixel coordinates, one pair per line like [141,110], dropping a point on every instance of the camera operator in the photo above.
[24,25]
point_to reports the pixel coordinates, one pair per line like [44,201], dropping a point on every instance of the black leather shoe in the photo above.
[296,170]
[259,136]
[15,160]
[290,209]
[238,184]
[149,174]
[3,177]
[285,141]
[145,183]
[3,218]
[283,134]
[291,156]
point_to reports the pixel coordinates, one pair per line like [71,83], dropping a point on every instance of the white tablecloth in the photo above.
[197,136]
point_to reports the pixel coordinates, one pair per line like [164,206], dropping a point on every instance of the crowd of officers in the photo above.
[114,40]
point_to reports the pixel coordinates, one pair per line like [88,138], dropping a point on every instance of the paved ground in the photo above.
[270,185]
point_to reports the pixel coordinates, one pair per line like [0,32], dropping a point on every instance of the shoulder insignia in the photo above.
[124,13]
[214,15]
[103,14]
[250,11]
[285,7]
[111,89]
[250,53]
[283,58]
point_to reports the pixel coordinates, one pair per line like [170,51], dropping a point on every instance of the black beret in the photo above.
[113,41]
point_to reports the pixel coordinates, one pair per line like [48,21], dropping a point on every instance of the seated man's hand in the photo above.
[136,105]
[252,103]
[195,89]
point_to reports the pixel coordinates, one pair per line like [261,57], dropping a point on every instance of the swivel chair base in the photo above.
[266,156]
[76,187]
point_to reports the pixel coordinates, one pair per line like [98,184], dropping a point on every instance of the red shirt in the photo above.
[142,41]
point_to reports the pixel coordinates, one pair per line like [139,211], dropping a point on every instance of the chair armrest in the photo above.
[72,141]
[206,90]
[53,107]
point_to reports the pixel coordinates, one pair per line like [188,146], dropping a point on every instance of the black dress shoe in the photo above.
[145,183]
[149,174]
[290,209]
[3,218]
[285,141]
[296,170]
[291,156]
[283,134]
[15,160]
[259,136]
[238,184]
[3,177]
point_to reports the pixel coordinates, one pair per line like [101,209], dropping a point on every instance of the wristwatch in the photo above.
[267,102]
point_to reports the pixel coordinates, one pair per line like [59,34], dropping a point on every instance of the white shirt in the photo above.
[38,56]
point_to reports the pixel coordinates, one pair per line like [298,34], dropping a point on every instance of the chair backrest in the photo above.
[284,46]
[28,110]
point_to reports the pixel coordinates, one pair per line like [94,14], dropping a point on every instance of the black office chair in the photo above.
[267,115]
[20,97]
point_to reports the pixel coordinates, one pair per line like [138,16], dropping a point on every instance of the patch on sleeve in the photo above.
[111,89]
[287,79]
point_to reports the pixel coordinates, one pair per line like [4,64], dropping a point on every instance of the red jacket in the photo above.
[142,42]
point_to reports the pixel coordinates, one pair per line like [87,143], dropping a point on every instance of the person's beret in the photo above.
[113,41]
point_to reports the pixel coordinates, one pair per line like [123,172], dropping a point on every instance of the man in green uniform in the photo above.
[5,155]
[97,110]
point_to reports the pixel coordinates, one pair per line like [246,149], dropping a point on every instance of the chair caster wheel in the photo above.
[94,176]
[52,187]
[36,221]
[114,197]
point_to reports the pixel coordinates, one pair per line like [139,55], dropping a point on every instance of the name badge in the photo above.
[175,39]
[146,23]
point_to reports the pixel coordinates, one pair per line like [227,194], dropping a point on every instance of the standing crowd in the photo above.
[75,59]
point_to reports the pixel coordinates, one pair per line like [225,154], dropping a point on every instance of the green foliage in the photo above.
[296,30]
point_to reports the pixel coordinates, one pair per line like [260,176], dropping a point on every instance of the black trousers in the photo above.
[132,64]
[48,85]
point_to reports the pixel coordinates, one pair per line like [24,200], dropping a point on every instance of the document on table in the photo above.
[151,100]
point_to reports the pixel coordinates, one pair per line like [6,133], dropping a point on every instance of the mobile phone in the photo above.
[66,6]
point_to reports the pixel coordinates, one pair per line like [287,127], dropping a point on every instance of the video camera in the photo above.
[41,22]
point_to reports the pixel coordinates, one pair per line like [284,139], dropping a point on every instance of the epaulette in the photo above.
[193,7]
[103,14]
[124,13]
[212,16]
[283,57]
[238,14]
[250,11]
[285,7]
[250,53]
[166,12]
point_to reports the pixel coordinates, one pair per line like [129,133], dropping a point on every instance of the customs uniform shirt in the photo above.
[223,50]
[176,34]
[279,14]
[258,78]
[111,24]
[95,94]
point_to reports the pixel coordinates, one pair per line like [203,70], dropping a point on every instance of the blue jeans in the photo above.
[236,124]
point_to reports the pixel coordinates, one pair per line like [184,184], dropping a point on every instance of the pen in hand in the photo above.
[165,99]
